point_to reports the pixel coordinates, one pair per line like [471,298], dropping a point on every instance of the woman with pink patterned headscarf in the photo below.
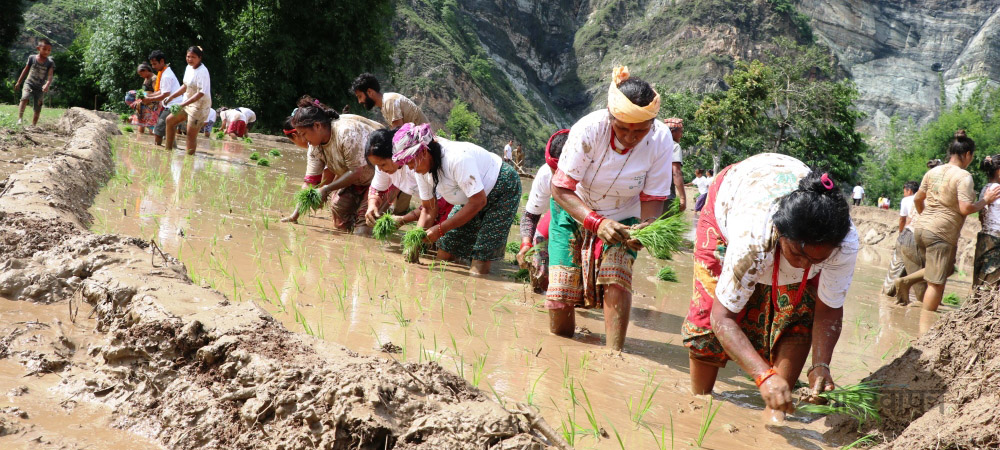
[485,191]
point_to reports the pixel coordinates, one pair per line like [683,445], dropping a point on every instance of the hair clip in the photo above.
[827,182]
[316,102]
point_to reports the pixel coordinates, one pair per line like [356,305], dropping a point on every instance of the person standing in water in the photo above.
[197,92]
[774,257]
[946,196]
[614,172]
[536,218]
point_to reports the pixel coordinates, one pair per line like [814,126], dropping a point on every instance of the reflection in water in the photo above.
[492,331]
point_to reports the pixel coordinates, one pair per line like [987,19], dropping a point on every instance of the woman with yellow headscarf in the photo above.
[614,173]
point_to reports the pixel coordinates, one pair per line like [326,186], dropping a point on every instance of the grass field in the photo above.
[8,115]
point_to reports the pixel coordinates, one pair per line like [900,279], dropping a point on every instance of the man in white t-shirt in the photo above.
[166,85]
[676,126]
[858,194]
[905,255]
[508,152]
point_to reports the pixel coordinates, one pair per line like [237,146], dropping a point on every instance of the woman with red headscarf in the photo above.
[535,222]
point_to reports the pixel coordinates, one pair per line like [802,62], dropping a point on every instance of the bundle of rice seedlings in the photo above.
[513,247]
[522,275]
[263,162]
[307,200]
[274,152]
[384,228]
[175,109]
[665,236]
[254,156]
[667,273]
[220,134]
[247,140]
[413,244]
[140,94]
[859,401]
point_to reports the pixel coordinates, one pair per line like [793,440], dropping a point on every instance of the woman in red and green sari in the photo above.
[774,257]
[615,171]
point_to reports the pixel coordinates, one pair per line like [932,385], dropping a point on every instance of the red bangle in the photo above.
[526,244]
[592,222]
[760,379]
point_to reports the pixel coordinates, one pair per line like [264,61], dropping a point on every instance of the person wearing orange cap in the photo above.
[614,173]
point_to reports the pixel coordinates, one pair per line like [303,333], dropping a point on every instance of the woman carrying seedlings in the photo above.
[485,193]
[338,143]
[535,221]
[392,178]
[774,257]
[197,91]
[615,171]
[146,114]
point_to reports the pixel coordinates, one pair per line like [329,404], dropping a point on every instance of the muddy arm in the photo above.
[827,323]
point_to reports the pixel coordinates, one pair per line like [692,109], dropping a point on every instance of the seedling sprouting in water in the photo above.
[307,200]
[263,162]
[274,152]
[255,156]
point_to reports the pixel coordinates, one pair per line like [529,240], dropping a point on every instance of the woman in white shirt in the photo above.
[485,191]
[392,181]
[615,171]
[197,91]
[774,257]
[536,218]
[986,265]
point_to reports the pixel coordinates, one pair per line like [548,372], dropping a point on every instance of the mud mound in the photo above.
[182,365]
[944,392]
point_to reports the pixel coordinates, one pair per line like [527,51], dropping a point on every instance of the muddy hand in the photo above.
[433,234]
[820,381]
[612,232]
[521,257]
[371,215]
[777,395]
[991,194]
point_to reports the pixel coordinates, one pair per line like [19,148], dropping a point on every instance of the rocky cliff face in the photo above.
[528,67]
[904,55]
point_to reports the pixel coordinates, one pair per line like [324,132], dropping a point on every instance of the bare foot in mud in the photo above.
[902,292]
[290,219]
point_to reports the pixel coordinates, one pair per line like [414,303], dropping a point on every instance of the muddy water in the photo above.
[33,414]
[218,212]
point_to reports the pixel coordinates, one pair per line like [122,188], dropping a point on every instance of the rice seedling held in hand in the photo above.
[384,228]
[667,273]
[513,247]
[413,244]
[175,109]
[274,152]
[859,401]
[255,156]
[665,236]
[308,199]
[263,162]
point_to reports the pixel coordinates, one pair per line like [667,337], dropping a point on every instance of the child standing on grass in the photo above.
[38,71]
[197,92]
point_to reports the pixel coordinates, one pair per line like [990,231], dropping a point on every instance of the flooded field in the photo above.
[219,212]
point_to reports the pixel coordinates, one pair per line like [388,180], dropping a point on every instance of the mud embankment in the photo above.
[879,228]
[184,366]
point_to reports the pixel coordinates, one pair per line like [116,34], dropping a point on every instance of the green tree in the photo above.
[463,124]
[10,27]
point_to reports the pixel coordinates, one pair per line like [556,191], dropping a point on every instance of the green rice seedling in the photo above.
[867,440]
[413,244]
[665,236]
[274,152]
[859,401]
[531,394]
[247,140]
[513,247]
[308,199]
[661,443]
[524,196]
[952,300]
[255,156]
[384,228]
[175,109]
[706,422]
[263,162]
[477,369]
[638,408]
[220,134]
[667,273]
